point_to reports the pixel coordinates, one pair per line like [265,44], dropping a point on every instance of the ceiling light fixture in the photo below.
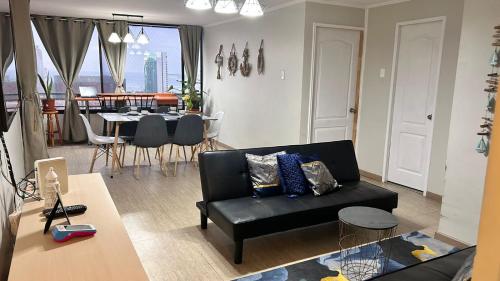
[114,37]
[129,37]
[198,4]
[142,38]
[251,8]
[226,7]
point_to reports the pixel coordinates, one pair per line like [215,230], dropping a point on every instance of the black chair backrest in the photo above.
[151,132]
[189,130]
[163,109]
[124,109]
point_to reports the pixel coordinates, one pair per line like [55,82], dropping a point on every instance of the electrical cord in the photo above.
[25,188]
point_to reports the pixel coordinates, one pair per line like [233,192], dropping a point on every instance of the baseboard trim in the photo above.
[451,241]
[370,175]
[434,196]
[224,146]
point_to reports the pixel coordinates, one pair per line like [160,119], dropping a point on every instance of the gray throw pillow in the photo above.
[319,177]
[465,272]
[264,173]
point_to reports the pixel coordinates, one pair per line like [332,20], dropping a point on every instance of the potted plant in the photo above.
[48,104]
[190,95]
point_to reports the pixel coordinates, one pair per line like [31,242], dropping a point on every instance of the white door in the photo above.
[334,83]
[416,81]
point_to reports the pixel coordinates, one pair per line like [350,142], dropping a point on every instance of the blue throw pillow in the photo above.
[292,178]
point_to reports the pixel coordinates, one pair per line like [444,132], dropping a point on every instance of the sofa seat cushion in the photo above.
[250,217]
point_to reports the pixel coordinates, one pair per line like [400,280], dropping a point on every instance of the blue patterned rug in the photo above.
[406,250]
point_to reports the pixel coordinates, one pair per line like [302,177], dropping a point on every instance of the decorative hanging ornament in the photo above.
[219,60]
[245,66]
[260,59]
[494,58]
[482,147]
[491,104]
[232,62]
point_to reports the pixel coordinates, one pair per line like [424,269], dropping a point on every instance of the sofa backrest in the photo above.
[224,174]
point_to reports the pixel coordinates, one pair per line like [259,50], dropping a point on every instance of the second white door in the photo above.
[416,83]
[334,83]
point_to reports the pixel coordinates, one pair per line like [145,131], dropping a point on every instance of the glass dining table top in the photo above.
[127,117]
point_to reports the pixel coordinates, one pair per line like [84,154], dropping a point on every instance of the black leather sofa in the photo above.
[228,202]
[440,269]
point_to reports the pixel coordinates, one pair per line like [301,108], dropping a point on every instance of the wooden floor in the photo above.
[162,221]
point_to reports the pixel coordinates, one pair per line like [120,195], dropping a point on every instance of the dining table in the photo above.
[120,118]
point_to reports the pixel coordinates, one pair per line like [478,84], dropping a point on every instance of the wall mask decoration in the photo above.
[260,59]
[232,62]
[245,66]
[219,60]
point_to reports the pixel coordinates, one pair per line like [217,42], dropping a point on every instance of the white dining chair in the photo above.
[214,129]
[102,144]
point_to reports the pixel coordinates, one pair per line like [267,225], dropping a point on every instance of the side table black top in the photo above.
[369,218]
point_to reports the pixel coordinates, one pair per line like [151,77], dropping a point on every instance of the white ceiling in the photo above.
[154,11]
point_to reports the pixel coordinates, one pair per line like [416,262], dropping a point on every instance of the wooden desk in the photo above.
[109,255]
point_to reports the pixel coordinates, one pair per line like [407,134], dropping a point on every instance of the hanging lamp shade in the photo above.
[251,8]
[198,4]
[114,38]
[129,38]
[142,39]
[226,7]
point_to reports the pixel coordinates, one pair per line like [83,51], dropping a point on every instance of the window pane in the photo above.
[90,75]
[9,85]
[154,67]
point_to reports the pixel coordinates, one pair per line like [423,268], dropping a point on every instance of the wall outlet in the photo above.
[382,73]
[282,74]
[14,222]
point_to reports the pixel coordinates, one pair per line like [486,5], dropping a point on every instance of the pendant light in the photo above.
[226,7]
[198,4]
[251,8]
[129,37]
[114,37]
[142,38]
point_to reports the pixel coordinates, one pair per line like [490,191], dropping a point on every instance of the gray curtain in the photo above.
[35,144]
[116,54]
[67,42]
[6,44]
[190,43]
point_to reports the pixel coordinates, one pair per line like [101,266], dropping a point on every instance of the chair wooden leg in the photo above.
[143,155]
[137,165]
[157,154]
[107,154]
[185,158]
[176,160]
[135,155]
[170,154]
[149,158]
[93,158]
[123,155]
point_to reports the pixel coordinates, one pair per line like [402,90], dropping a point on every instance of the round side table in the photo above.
[361,231]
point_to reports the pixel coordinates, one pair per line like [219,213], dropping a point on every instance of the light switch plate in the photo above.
[382,73]
[282,74]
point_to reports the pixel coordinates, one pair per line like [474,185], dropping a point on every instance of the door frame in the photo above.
[312,96]
[390,112]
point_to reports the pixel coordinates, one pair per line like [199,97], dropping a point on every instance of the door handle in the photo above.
[353,110]
[429,117]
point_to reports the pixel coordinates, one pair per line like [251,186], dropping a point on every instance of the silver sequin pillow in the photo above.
[319,177]
[264,173]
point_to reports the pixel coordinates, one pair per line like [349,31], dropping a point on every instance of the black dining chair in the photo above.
[151,133]
[189,132]
[163,109]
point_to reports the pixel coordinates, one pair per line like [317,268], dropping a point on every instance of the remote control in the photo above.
[70,210]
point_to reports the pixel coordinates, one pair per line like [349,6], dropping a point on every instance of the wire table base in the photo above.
[363,255]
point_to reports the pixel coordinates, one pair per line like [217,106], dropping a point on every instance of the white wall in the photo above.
[261,110]
[465,174]
[376,91]
[13,138]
